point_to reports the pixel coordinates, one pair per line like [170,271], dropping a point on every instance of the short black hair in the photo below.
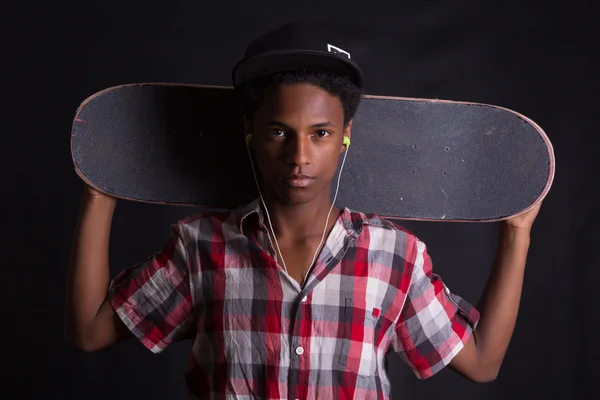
[252,93]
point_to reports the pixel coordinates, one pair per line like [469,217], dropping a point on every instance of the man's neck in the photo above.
[304,221]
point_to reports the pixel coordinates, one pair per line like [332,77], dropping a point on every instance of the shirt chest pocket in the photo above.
[359,324]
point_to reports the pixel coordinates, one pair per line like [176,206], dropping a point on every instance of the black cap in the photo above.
[297,46]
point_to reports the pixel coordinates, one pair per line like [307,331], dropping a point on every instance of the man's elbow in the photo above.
[484,374]
[83,343]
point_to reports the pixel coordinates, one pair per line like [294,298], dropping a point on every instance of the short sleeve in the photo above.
[434,324]
[154,298]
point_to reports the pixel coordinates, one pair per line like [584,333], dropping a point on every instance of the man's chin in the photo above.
[295,196]
[292,196]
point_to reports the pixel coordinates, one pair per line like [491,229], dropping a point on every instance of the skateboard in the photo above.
[410,158]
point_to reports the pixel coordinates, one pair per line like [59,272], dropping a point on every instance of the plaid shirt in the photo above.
[258,334]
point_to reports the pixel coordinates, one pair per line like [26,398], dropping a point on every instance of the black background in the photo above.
[535,58]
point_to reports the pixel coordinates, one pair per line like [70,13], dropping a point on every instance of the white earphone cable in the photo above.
[269,217]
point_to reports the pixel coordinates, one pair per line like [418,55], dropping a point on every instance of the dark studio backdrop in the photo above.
[537,59]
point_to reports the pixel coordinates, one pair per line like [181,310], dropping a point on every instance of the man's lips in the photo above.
[298,181]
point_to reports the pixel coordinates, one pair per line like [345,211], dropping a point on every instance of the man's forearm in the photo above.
[499,304]
[88,271]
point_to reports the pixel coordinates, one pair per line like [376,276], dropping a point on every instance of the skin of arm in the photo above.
[482,356]
[90,321]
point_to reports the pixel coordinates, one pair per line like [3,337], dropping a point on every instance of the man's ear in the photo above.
[347,133]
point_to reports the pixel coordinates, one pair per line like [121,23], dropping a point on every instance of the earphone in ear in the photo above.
[248,139]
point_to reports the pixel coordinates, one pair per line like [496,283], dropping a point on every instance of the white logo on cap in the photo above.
[337,50]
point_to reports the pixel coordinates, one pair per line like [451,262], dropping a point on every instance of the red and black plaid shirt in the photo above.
[259,335]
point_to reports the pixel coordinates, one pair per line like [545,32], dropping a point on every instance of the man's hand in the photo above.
[524,221]
[89,193]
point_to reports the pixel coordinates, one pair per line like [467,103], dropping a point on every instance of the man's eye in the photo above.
[322,133]
[277,132]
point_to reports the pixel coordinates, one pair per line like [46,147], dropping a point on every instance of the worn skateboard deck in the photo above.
[419,159]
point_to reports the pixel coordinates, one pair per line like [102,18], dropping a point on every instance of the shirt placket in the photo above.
[298,381]
[299,342]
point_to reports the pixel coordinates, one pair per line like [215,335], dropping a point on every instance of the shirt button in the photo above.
[304,299]
[299,350]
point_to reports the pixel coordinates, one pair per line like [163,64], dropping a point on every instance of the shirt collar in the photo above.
[247,210]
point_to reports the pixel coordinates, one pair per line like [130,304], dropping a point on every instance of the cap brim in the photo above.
[262,65]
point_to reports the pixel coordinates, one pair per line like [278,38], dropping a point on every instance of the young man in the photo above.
[290,296]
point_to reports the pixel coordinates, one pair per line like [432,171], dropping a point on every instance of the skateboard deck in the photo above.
[417,159]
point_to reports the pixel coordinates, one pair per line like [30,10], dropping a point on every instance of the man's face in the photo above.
[297,141]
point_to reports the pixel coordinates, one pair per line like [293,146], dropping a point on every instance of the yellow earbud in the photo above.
[248,139]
